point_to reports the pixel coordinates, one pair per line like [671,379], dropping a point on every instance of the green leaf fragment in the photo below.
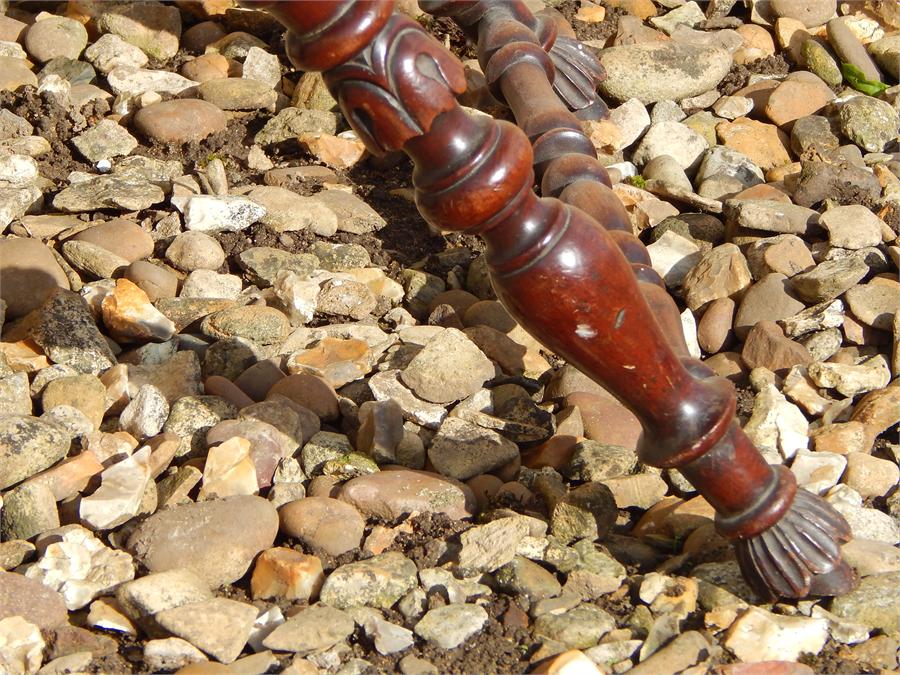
[857,79]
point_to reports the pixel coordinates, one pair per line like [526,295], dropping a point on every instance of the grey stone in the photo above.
[313,629]
[107,192]
[579,628]
[168,540]
[462,450]
[376,582]
[28,446]
[873,603]
[658,72]
[104,141]
[829,279]
[869,122]
[450,626]
[218,626]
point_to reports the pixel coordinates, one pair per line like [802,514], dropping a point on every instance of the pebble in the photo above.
[449,368]
[167,540]
[353,214]
[31,600]
[191,251]
[771,298]
[286,211]
[80,567]
[288,574]
[870,476]
[767,346]
[850,49]
[130,316]
[819,60]
[23,645]
[813,13]
[680,142]
[218,626]
[205,68]
[106,140]
[96,262]
[315,628]
[155,29]
[449,626]
[259,324]
[486,548]
[720,273]
[55,36]
[818,471]
[378,582]
[120,495]
[171,654]
[872,603]
[237,93]
[829,279]
[461,449]
[107,192]
[390,494]
[850,380]
[765,144]
[875,303]
[786,254]
[869,122]
[793,99]
[28,446]
[227,213]
[15,74]
[110,51]
[658,72]
[758,635]
[578,628]
[124,238]
[29,274]
[179,121]
[67,333]
[323,523]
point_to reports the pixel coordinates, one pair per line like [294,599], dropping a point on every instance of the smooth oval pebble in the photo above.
[217,540]
[55,36]
[124,238]
[323,523]
[29,273]
[389,494]
[180,120]
[662,71]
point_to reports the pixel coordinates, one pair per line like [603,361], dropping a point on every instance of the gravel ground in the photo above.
[256,417]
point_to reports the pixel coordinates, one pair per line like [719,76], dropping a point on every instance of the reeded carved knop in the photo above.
[800,555]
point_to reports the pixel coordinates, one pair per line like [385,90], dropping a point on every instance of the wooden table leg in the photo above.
[563,276]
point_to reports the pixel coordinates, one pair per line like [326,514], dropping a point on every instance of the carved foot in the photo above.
[800,555]
[578,72]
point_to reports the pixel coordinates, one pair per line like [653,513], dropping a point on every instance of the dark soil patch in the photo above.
[834,659]
[739,75]
[51,120]
[497,648]
[448,33]
[584,31]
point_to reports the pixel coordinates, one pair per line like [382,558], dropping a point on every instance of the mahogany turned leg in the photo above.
[563,277]
[535,89]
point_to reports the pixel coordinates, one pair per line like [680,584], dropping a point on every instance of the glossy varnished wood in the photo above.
[566,265]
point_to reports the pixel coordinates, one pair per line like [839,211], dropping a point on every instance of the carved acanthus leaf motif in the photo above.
[394,89]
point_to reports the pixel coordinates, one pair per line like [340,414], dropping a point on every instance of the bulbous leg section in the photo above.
[800,555]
